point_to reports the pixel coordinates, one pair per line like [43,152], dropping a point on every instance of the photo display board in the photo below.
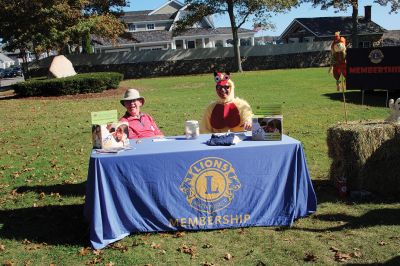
[373,68]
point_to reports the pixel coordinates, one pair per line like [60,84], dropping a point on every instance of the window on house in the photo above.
[179,44]
[131,27]
[308,39]
[293,40]
[229,43]
[364,44]
[191,45]
[245,42]
[150,26]
[219,43]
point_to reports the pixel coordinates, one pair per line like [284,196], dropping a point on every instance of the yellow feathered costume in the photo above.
[227,113]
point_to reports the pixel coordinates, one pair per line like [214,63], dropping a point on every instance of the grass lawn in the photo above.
[45,144]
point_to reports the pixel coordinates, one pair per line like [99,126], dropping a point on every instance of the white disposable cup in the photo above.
[192,130]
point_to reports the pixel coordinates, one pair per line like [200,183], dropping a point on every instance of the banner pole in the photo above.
[344,100]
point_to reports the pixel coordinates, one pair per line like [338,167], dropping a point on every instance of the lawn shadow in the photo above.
[62,189]
[395,261]
[376,98]
[53,225]
[325,191]
[377,217]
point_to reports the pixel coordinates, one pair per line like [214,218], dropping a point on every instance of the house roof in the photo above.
[142,16]
[212,31]
[391,37]
[4,58]
[327,26]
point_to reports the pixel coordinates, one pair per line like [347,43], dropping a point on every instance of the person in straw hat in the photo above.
[141,125]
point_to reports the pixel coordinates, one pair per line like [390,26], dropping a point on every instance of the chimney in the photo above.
[367,13]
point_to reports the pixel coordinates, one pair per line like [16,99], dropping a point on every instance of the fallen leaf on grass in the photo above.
[84,251]
[119,246]
[260,263]
[310,257]
[95,261]
[242,231]
[228,256]
[356,254]
[188,250]
[382,243]
[14,192]
[2,247]
[8,263]
[342,257]
[179,234]
[208,264]
[110,263]
[155,246]
[42,195]
[207,246]
[97,252]
[34,247]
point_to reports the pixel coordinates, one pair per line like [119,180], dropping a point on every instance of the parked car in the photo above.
[18,71]
[9,73]
[13,72]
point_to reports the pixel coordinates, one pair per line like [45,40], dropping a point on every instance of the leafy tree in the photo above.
[239,12]
[40,26]
[394,5]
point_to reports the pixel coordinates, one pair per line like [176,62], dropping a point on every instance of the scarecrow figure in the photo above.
[338,59]
[227,113]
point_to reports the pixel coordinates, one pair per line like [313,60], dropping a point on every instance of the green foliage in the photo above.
[239,12]
[57,24]
[80,83]
[45,145]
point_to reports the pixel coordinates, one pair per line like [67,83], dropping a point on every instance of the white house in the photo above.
[152,30]
[5,61]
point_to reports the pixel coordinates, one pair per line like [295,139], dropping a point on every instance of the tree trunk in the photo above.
[354,31]
[235,36]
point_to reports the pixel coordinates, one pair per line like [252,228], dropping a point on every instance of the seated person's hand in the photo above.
[247,126]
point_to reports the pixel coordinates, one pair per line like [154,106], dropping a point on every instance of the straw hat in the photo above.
[132,94]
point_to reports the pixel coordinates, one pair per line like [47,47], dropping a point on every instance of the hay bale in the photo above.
[367,154]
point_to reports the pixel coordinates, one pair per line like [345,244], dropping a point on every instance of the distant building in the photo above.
[391,38]
[324,28]
[152,30]
[5,61]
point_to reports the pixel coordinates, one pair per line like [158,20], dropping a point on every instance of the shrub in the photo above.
[80,83]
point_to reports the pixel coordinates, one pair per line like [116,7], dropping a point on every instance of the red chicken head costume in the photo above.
[338,58]
[227,113]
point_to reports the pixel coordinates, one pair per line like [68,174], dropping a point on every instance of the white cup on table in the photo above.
[192,130]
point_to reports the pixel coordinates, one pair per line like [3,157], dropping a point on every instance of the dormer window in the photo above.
[131,27]
[150,26]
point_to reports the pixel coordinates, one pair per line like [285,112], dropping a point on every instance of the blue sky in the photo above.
[380,15]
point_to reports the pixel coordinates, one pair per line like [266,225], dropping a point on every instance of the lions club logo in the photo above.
[209,184]
[376,56]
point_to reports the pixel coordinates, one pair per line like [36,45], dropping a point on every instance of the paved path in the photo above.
[8,81]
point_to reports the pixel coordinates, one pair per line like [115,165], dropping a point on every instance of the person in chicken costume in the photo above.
[227,113]
[338,59]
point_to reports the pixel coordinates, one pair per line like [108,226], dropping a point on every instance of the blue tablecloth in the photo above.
[182,184]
